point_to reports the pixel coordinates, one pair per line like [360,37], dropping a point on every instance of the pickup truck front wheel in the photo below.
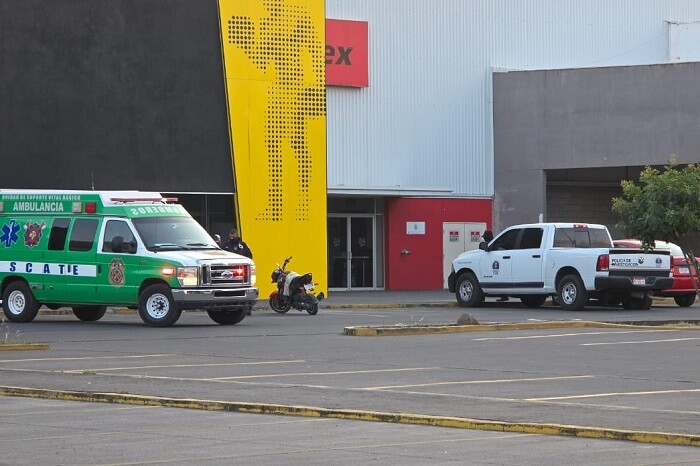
[468,291]
[637,304]
[571,293]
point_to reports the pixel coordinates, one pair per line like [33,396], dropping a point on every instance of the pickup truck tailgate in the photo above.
[635,269]
[630,260]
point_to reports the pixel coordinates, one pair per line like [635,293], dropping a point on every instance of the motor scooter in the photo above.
[293,291]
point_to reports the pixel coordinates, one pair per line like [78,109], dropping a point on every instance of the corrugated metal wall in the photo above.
[425,120]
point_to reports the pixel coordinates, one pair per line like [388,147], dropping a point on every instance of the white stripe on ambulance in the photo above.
[48,268]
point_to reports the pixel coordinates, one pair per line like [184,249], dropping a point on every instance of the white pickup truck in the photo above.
[572,262]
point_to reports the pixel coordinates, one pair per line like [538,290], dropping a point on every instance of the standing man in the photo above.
[236,244]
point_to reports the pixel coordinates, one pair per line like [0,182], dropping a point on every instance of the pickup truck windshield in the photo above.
[172,233]
[581,238]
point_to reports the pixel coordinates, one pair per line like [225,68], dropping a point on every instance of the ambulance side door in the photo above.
[55,257]
[118,264]
[80,268]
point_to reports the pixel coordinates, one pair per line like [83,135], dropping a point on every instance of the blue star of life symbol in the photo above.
[10,233]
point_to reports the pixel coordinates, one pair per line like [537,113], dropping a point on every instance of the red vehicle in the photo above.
[683,291]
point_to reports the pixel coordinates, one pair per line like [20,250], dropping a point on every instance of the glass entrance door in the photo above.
[351,251]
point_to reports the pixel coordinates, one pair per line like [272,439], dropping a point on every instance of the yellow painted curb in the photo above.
[662,438]
[440,329]
[25,347]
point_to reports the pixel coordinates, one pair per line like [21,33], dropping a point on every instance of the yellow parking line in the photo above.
[620,407]
[303,374]
[638,342]
[169,366]
[476,382]
[532,337]
[600,395]
[88,358]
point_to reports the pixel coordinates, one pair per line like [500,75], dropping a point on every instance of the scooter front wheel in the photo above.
[279,306]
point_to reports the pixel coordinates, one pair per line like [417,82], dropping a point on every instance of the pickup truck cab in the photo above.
[570,261]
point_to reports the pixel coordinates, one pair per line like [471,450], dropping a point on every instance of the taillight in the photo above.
[603,264]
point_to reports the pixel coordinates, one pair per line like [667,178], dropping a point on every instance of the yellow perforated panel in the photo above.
[274,57]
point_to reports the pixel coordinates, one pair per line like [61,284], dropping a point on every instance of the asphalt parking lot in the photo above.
[626,379]
[62,432]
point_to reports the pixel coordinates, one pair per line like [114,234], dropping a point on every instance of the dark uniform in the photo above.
[237,245]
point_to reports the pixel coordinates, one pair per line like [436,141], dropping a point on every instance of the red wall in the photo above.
[422,269]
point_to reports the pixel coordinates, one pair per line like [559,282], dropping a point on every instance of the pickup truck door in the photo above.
[495,266]
[527,259]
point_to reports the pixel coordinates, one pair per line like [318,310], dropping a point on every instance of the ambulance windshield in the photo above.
[171,233]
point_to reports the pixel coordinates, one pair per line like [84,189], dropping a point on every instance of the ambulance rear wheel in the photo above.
[89,313]
[157,307]
[19,303]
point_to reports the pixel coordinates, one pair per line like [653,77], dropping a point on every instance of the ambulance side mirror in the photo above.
[118,244]
[484,246]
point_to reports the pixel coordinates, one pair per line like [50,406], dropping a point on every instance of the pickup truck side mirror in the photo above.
[484,246]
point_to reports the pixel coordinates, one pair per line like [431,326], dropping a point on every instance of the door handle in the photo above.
[536,256]
[99,269]
[506,257]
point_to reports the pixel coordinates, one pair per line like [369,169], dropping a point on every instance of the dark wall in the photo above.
[115,94]
[598,118]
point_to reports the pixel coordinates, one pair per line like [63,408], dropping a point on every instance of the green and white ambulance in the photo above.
[88,250]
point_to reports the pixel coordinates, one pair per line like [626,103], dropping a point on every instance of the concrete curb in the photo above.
[662,438]
[454,328]
[24,347]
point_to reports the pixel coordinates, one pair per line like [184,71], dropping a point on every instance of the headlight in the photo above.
[188,276]
[253,278]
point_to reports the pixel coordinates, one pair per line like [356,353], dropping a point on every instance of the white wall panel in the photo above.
[424,121]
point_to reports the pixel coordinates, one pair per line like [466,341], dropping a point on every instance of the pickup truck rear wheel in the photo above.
[468,290]
[571,293]
[535,300]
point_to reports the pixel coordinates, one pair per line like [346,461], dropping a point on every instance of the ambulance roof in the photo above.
[107,198]
[123,203]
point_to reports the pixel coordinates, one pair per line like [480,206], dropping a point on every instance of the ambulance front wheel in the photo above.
[157,307]
[19,303]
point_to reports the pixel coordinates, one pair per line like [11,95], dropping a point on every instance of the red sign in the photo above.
[346,53]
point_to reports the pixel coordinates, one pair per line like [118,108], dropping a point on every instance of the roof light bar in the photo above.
[143,199]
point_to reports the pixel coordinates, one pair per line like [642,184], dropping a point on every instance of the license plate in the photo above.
[309,287]
[683,271]
[639,281]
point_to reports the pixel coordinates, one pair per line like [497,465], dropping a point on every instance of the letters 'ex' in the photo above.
[343,55]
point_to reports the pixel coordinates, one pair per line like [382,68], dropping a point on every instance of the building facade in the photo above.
[474,114]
